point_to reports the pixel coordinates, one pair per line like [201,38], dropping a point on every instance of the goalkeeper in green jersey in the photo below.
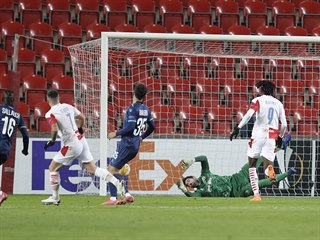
[211,185]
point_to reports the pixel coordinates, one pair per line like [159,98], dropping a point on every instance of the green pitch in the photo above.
[163,218]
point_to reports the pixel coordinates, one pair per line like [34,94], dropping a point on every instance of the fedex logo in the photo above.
[145,175]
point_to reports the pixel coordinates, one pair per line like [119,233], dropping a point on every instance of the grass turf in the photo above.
[163,218]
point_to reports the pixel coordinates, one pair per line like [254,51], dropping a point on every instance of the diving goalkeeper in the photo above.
[211,185]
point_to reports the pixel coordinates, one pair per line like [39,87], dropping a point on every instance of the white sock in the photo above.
[54,181]
[113,198]
[0,192]
[254,180]
[104,174]
[266,172]
[127,194]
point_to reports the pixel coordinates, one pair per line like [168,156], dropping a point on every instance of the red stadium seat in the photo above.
[183,45]
[297,3]
[154,28]
[316,32]
[306,120]
[199,12]
[195,67]
[191,120]
[252,70]
[58,12]
[30,11]
[8,31]
[115,12]
[223,69]
[280,69]
[4,84]
[154,96]
[240,48]
[220,119]
[69,34]
[52,64]
[42,36]
[255,14]
[297,48]
[227,13]
[309,12]
[207,92]
[121,91]
[308,70]
[40,110]
[3,62]
[167,66]
[6,11]
[292,92]
[283,15]
[236,93]
[143,13]
[210,47]
[126,28]
[94,31]
[159,45]
[26,64]
[163,116]
[34,89]
[179,90]
[269,48]
[65,85]
[87,12]
[171,13]
[138,66]
[24,110]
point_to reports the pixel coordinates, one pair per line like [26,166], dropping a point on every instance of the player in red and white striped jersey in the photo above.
[269,113]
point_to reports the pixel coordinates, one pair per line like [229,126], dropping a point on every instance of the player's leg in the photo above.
[3,195]
[268,154]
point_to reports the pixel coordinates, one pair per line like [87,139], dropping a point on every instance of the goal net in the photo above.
[199,88]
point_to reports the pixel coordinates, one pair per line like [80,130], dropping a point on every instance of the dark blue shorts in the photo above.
[126,151]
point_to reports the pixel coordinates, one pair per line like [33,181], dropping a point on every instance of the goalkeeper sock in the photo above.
[54,181]
[254,180]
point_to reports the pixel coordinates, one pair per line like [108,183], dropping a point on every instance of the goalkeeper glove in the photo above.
[80,130]
[234,133]
[48,144]
[25,152]
[181,185]
[279,142]
[186,163]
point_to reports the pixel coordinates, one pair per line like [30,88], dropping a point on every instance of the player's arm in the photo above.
[202,159]
[150,128]
[183,188]
[25,136]
[80,119]
[283,128]
[54,130]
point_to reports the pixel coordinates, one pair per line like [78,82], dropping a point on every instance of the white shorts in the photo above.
[265,147]
[77,149]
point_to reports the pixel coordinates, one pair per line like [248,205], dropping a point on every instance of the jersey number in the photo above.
[141,124]
[270,114]
[8,126]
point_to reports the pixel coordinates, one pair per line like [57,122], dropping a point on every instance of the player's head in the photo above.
[8,97]
[191,181]
[53,97]
[266,87]
[140,91]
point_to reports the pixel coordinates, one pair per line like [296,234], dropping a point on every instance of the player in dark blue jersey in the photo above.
[10,120]
[133,132]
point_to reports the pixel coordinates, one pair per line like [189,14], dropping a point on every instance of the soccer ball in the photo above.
[125,170]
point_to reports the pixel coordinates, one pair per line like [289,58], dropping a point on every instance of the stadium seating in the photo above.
[191,120]
[94,31]
[240,48]
[255,14]
[167,67]
[4,84]
[65,85]
[121,92]
[309,12]
[297,48]
[24,110]
[178,91]
[210,47]
[163,115]
[223,69]
[30,11]
[137,66]
[183,45]
[292,92]
[52,64]
[143,13]
[316,32]
[69,34]
[171,13]
[283,15]
[3,62]
[236,93]
[158,45]
[306,120]
[8,30]
[26,64]
[58,12]
[42,36]
[269,48]
[40,110]
[308,70]
[195,67]
[227,13]
[154,96]
[6,11]
[199,12]
[34,89]
[207,92]
[220,120]
[281,69]
[87,12]
[115,12]
[126,28]
[252,70]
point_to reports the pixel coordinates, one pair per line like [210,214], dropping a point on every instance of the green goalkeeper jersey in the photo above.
[211,185]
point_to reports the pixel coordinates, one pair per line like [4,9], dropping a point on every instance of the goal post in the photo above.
[199,87]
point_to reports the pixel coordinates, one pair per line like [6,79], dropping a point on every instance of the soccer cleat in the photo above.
[271,173]
[113,202]
[3,197]
[256,198]
[121,189]
[51,201]
[129,199]
[291,171]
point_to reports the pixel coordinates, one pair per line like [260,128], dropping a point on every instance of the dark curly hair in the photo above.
[267,87]
[8,97]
